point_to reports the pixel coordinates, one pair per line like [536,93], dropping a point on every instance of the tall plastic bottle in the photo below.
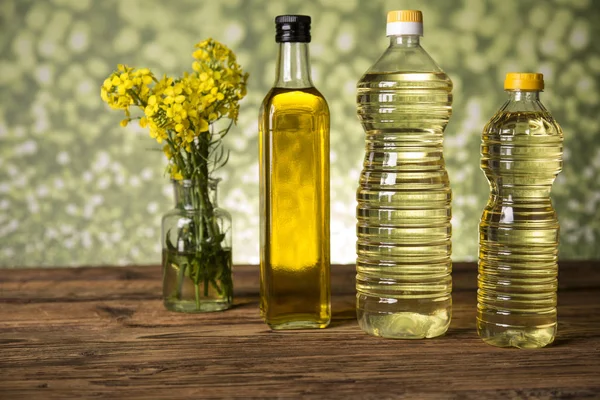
[294,188]
[404,200]
[521,155]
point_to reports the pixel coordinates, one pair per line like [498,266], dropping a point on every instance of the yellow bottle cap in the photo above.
[524,81]
[405,16]
[404,22]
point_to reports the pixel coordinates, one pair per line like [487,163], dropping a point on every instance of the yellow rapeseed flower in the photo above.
[180,111]
[203,125]
[176,172]
[167,151]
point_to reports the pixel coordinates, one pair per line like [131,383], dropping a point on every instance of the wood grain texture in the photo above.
[102,333]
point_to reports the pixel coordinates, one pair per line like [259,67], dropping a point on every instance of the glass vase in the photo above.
[196,243]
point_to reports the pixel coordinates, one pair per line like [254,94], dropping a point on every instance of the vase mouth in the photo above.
[191,182]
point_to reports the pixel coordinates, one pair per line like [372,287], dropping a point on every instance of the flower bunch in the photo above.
[180,112]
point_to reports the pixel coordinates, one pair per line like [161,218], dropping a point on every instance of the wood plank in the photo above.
[144,282]
[103,333]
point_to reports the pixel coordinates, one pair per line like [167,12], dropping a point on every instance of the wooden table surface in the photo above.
[103,333]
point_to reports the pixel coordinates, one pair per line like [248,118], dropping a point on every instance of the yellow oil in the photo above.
[404,206]
[294,186]
[518,233]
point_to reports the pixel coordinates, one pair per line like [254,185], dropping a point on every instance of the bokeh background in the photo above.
[77,189]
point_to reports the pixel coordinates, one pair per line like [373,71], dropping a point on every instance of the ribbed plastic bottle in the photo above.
[521,155]
[404,200]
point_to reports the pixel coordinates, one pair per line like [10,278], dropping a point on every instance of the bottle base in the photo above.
[404,325]
[190,306]
[294,325]
[516,336]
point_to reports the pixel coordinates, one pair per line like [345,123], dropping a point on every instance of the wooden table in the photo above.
[103,333]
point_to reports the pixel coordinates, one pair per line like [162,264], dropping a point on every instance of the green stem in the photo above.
[180,283]
[140,104]
[209,234]
[207,268]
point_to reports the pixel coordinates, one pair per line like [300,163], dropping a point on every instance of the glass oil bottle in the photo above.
[294,189]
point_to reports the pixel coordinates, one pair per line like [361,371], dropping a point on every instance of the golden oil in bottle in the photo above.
[294,189]
[521,155]
[403,266]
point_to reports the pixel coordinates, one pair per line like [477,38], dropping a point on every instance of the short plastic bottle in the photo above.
[521,155]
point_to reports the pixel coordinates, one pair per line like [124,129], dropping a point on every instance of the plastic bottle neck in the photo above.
[522,95]
[293,66]
[405,41]
[523,101]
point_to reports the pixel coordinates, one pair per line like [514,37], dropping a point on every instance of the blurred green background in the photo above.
[77,189]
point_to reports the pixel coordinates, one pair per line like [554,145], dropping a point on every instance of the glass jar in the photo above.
[196,243]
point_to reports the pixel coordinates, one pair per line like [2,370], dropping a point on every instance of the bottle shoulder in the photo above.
[409,59]
[405,80]
[539,123]
[294,100]
[291,94]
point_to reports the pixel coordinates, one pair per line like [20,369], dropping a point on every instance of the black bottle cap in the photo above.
[292,28]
